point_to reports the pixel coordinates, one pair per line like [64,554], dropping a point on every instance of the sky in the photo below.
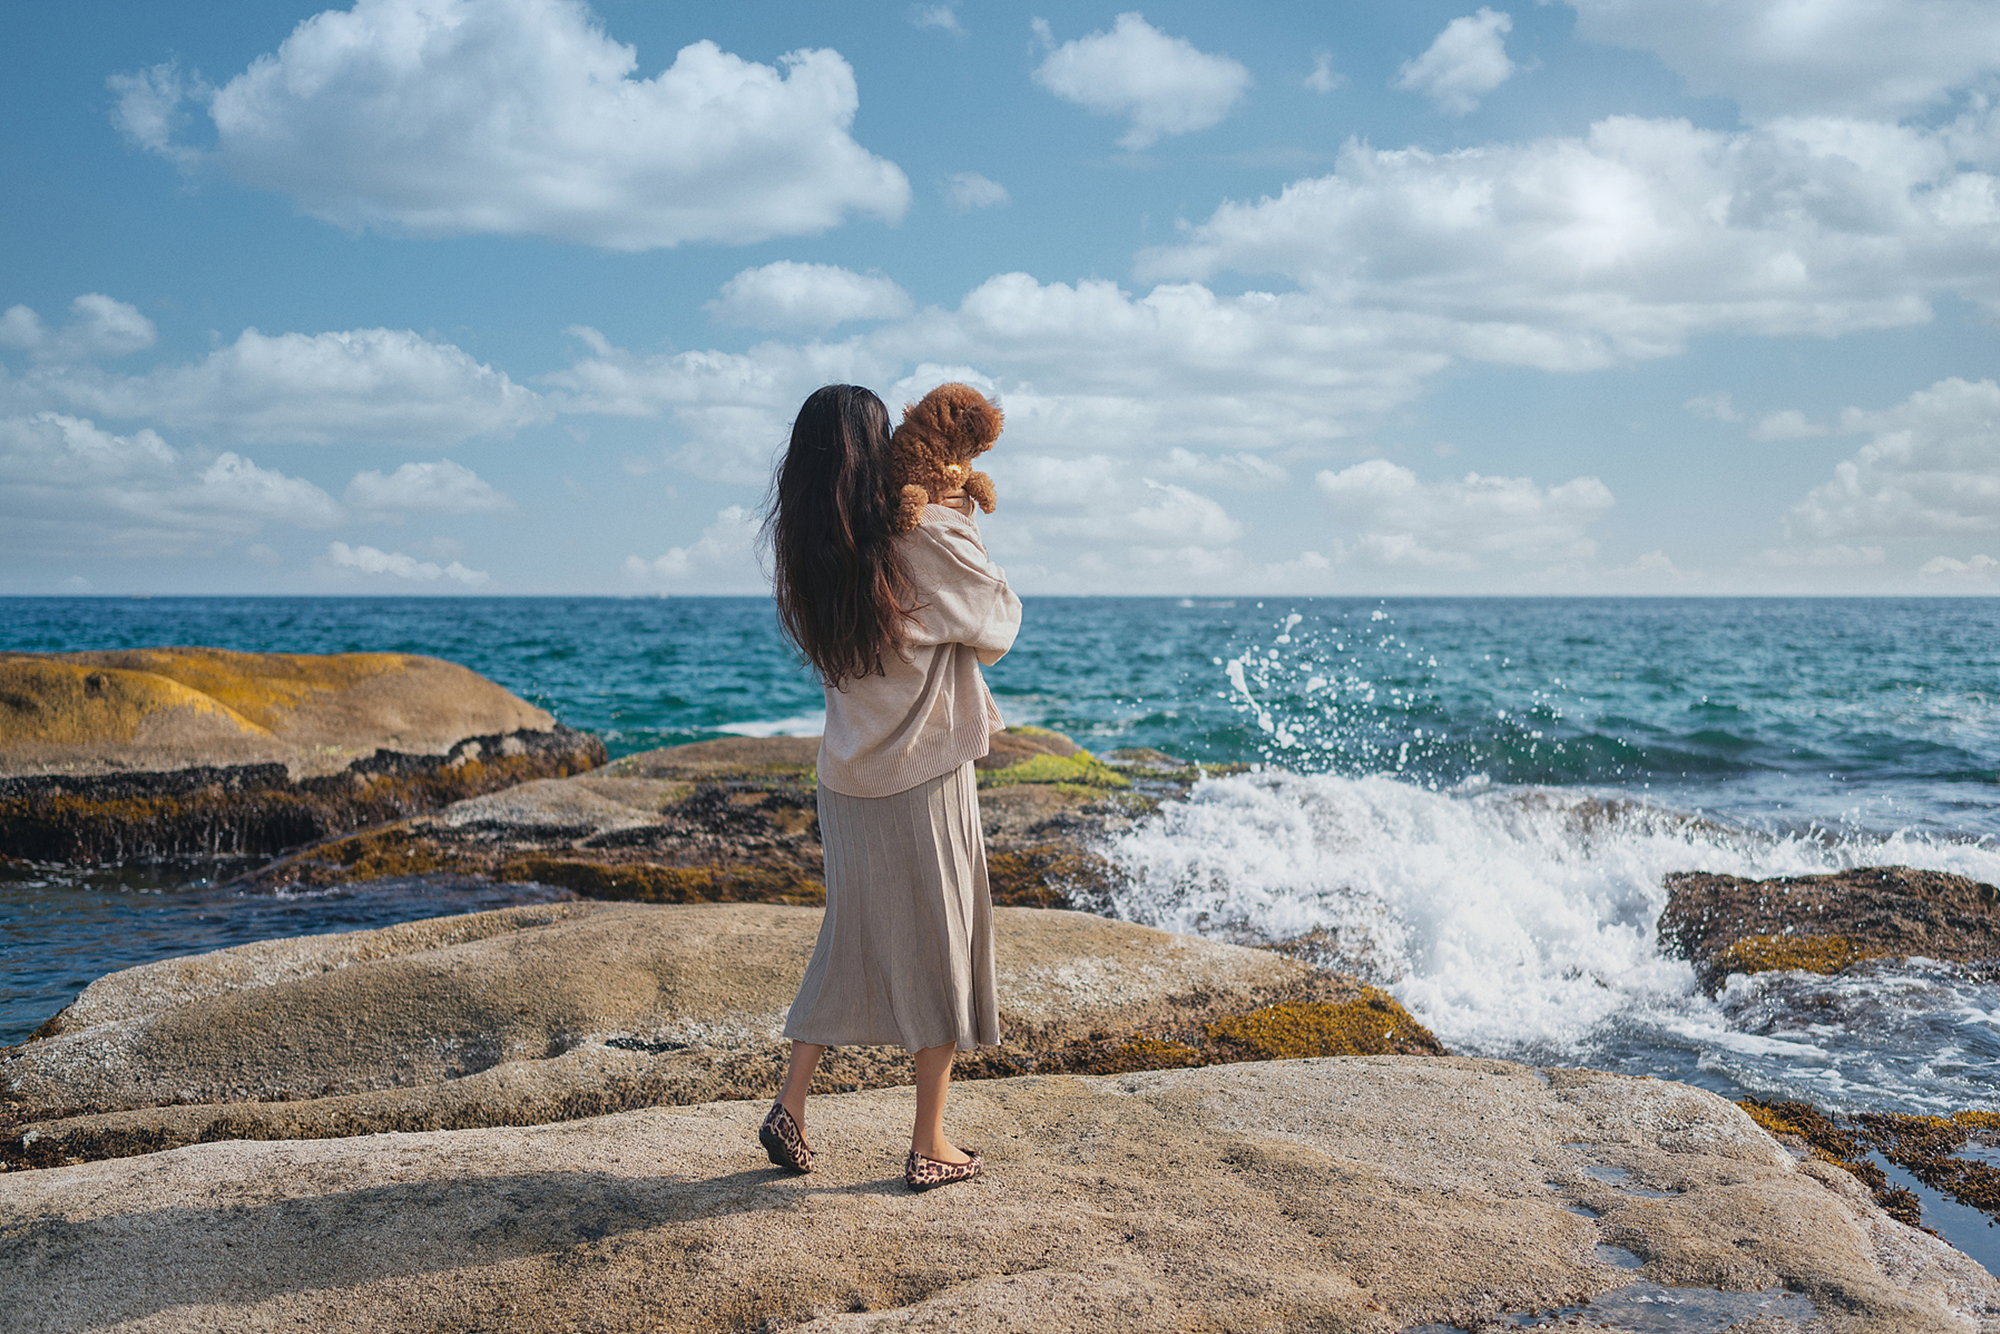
[520,296]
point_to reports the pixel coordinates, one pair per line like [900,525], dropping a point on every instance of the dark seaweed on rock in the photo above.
[258,809]
[1824,923]
[1925,1146]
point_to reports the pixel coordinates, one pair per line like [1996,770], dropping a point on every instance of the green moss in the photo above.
[1081,769]
[1804,954]
[1373,1024]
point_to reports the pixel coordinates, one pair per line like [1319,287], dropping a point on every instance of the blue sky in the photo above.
[518,296]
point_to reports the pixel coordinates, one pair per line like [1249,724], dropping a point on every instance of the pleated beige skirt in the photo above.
[905,954]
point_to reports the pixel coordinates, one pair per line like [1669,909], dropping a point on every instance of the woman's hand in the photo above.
[956,499]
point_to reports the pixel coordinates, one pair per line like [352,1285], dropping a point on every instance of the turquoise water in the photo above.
[1472,800]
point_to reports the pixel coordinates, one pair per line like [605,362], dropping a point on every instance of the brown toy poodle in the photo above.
[934,447]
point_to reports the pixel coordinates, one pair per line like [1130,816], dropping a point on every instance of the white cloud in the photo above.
[788,295]
[1858,57]
[98,327]
[235,485]
[942,17]
[1788,424]
[732,410]
[1570,253]
[724,555]
[443,487]
[1654,566]
[1978,569]
[1324,78]
[1100,502]
[51,446]
[68,485]
[1717,407]
[372,560]
[968,190]
[1933,467]
[362,384]
[20,327]
[1463,524]
[1137,375]
[1244,471]
[152,108]
[1161,83]
[1096,522]
[1839,556]
[522,117]
[1467,61]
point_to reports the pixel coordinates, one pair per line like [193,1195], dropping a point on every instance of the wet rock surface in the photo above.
[735,821]
[191,753]
[1368,1194]
[1950,1154]
[1856,919]
[1824,923]
[557,1011]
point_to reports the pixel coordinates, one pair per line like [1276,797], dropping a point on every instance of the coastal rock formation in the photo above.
[734,821]
[1371,1194]
[546,1012]
[1830,924]
[1824,923]
[195,752]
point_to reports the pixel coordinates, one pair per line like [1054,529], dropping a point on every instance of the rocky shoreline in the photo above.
[1186,1134]
[205,754]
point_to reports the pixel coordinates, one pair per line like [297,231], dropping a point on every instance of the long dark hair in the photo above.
[843,590]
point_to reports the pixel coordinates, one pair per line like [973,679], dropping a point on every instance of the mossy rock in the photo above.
[742,758]
[1801,954]
[1050,875]
[1372,1024]
[644,883]
[161,709]
[1928,1147]
[259,809]
[1822,923]
[1079,770]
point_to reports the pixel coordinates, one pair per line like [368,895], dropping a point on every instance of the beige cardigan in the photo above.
[932,711]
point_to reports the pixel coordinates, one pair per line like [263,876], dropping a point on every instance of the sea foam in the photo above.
[1511,921]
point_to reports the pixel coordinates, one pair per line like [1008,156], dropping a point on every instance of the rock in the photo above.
[1368,1194]
[194,752]
[176,708]
[735,821]
[1928,1147]
[550,1011]
[1824,923]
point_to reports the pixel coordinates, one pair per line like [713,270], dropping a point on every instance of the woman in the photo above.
[897,627]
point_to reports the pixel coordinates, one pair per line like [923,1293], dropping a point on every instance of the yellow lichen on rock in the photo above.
[1372,1024]
[58,702]
[1803,954]
[159,710]
[262,687]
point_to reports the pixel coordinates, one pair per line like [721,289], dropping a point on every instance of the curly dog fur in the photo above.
[932,450]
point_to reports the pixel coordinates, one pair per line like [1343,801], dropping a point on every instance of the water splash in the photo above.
[1520,922]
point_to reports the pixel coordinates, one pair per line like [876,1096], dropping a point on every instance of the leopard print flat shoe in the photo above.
[781,1139]
[921,1173]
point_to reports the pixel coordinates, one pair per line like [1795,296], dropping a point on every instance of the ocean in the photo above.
[1475,799]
